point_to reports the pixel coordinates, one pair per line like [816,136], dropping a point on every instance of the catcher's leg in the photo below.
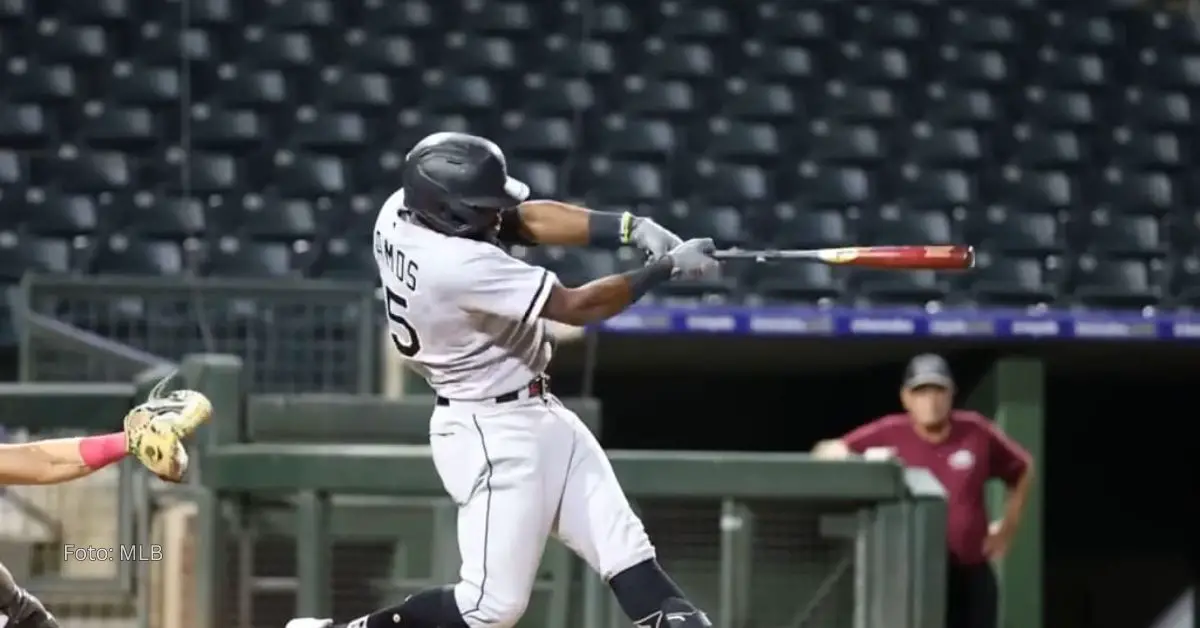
[598,523]
[19,607]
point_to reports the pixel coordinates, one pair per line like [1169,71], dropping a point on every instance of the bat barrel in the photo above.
[905,257]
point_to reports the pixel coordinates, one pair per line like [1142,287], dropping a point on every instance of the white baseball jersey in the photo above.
[465,313]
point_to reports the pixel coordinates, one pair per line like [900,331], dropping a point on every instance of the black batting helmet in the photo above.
[458,183]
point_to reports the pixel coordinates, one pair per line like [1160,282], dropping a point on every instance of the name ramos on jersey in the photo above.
[388,254]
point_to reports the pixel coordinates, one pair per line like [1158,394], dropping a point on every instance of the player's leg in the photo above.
[488,463]
[597,522]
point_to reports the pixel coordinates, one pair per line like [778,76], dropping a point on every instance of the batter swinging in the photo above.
[519,464]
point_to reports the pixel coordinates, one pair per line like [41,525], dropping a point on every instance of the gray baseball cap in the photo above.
[928,369]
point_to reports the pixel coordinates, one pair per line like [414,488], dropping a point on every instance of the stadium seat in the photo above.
[276,50]
[122,255]
[622,181]
[1004,230]
[689,23]
[556,96]
[329,132]
[390,54]
[724,225]
[13,168]
[91,172]
[308,175]
[1116,283]
[538,137]
[63,215]
[848,144]
[480,54]
[808,284]
[1057,140]
[498,17]
[39,83]
[741,141]
[362,91]
[667,98]
[283,220]
[163,217]
[234,257]
[23,125]
[1011,282]
[752,100]
[19,255]
[951,107]
[1126,235]
[575,267]
[151,86]
[1046,149]
[72,44]
[342,259]
[883,288]
[128,129]
[637,137]
[251,89]
[159,45]
[788,227]
[223,129]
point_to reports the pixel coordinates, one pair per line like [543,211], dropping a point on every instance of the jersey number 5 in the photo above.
[396,305]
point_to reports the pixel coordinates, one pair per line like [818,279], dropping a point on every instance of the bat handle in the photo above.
[727,254]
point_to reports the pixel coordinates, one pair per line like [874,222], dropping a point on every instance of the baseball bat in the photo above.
[881,257]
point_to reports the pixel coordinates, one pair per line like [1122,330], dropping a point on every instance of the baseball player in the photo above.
[519,464]
[152,435]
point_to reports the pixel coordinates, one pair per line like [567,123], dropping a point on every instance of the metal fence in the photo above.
[295,336]
[802,578]
[82,546]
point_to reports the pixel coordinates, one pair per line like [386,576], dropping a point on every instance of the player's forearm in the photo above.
[58,460]
[1014,504]
[608,296]
[564,224]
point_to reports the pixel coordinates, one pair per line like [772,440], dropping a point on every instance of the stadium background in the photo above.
[217,152]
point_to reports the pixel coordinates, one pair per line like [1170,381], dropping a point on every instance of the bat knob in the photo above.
[970,257]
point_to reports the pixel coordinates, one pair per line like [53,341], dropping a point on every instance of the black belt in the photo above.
[536,388]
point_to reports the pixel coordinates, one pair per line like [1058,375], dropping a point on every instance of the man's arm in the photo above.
[491,281]
[59,460]
[1011,463]
[605,297]
[554,222]
[862,438]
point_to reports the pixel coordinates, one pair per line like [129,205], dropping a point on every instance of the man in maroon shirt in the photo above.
[963,450]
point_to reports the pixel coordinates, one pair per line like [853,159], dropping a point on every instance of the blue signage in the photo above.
[849,322]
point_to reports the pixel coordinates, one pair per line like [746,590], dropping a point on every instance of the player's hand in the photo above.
[154,431]
[693,259]
[998,540]
[26,611]
[652,238]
